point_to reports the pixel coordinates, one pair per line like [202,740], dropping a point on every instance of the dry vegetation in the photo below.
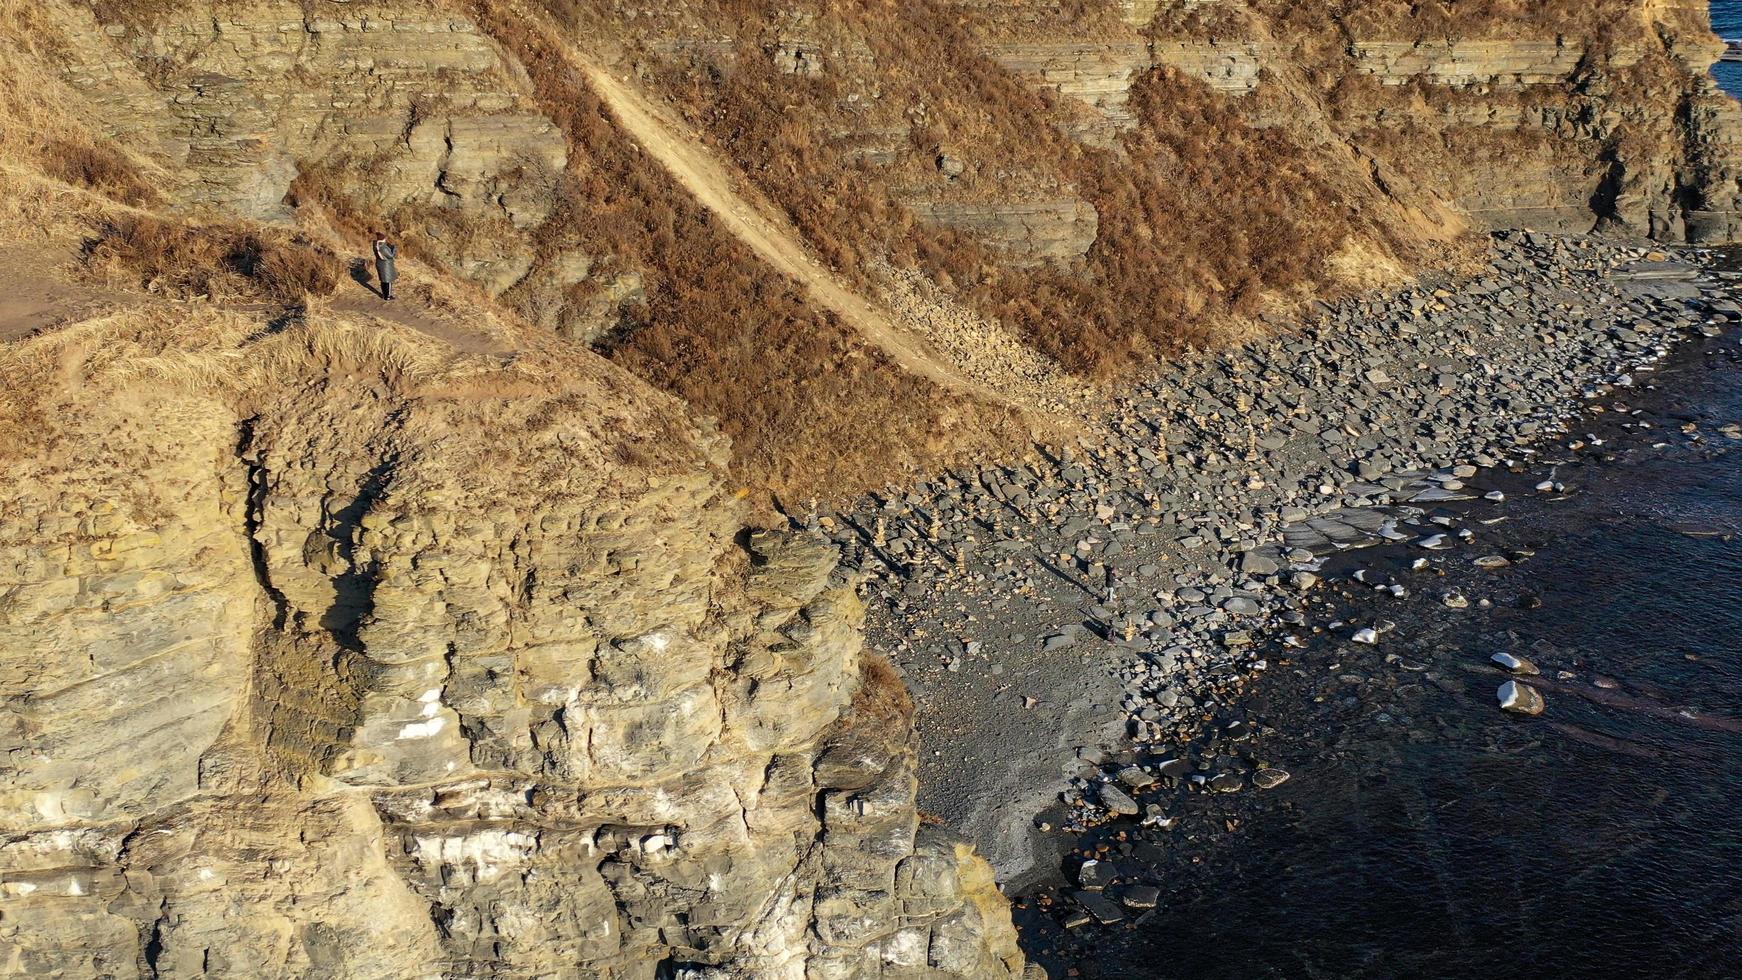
[1463,19]
[1209,213]
[1203,217]
[99,168]
[789,384]
[187,261]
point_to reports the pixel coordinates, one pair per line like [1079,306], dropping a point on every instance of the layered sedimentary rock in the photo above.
[327,650]
[336,653]
[1601,117]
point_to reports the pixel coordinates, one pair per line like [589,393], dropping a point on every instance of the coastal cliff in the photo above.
[450,637]
[338,653]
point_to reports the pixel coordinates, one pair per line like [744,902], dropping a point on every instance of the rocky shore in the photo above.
[1539,711]
[1063,619]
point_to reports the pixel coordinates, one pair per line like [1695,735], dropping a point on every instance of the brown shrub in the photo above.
[98,168]
[882,697]
[1202,214]
[812,410]
[187,261]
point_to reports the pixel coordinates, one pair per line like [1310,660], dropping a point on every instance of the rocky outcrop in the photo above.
[1028,233]
[373,109]
[341,654]
[1605,122]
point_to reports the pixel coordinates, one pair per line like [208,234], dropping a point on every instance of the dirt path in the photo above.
[39,296]
[35,297]
[413,310]
[709,181]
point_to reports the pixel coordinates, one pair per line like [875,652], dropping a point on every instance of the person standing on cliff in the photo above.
[385,253]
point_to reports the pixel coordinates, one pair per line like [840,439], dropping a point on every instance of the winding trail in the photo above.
[709,181]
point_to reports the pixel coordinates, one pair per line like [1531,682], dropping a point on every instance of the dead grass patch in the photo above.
[1204,217]
[811,409]
[188,261]
[97,168]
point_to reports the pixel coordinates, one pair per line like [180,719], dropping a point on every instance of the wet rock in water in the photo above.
[1269,778]
[1455,600]
[1140,897]
[1228,782]
[1520,699]
[1514,664]
[1094,876]
[1101,907]
[1492,562]
[1116,800]
[1369,636]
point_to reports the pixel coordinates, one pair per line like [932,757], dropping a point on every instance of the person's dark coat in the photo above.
[385,253]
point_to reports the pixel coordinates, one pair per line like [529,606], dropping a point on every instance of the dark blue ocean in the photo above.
[1727,21]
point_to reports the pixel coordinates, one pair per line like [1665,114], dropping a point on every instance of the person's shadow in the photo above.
[360,272]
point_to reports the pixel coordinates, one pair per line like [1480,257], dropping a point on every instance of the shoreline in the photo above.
[1203,517]
[1367,734]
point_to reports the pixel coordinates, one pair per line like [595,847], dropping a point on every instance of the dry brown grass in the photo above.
[1461,19]
[99,168]
[1204,217]
[882,697]
[811,409]
[187,261]
[57,170]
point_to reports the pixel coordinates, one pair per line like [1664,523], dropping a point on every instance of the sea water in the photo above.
[1427,834]
[1727,21]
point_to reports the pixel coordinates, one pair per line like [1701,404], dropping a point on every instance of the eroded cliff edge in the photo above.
[330,651]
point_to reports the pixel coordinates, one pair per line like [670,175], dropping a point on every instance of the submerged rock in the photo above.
[1514,664]
[1520,699]
[1269,778]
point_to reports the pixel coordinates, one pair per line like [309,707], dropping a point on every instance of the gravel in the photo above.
[1140,562]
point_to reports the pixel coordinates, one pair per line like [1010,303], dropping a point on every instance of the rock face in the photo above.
[373,659]
[1030,233]
[1606,118]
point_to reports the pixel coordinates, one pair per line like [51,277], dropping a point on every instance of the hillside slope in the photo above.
[1003,194]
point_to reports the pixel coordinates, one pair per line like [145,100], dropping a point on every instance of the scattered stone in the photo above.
[1368,635]
[1116,800]
[1094,876]
[1269,778]
[1140,897]
[1520,699]
[1228,782]
[1513,664]
[1135,778]
[1101,907]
